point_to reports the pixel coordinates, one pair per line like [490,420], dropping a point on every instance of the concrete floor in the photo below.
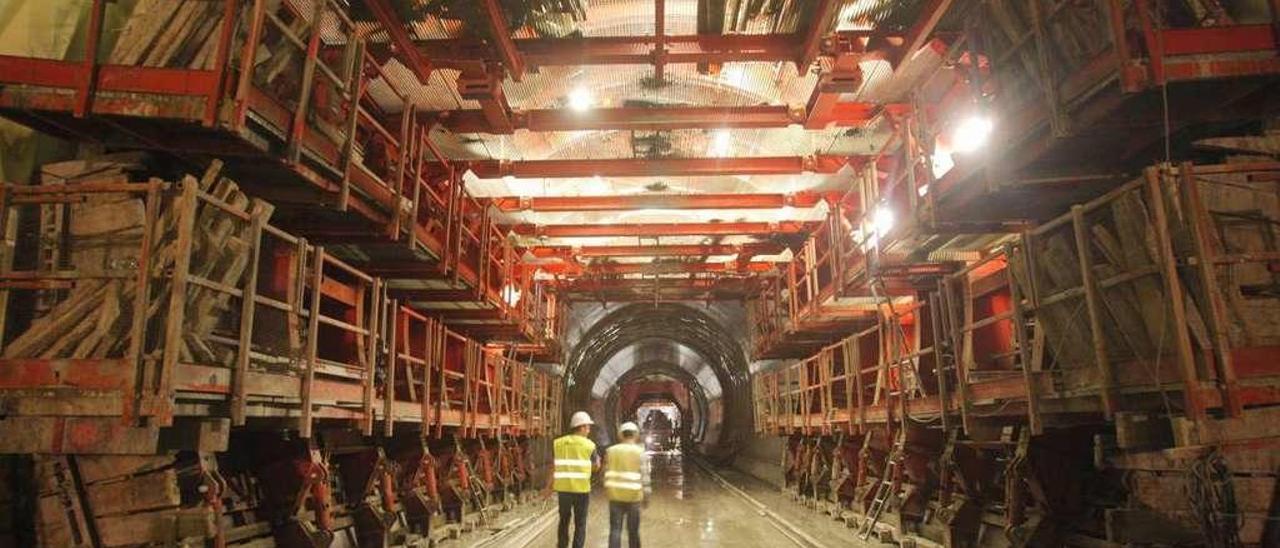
[687,509]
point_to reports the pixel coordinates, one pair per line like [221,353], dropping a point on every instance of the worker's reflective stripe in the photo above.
[573,462]
[623,485]
[633,476]
[573,475]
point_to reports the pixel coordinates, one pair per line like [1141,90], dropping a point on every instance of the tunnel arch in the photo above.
[692,428]
[677,324]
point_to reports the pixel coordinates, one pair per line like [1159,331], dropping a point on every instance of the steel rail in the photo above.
[788,529]
[524,531]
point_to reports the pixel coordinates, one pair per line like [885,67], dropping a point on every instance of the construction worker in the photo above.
[575,460]
[626,481]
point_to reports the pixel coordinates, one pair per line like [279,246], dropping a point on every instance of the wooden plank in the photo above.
[163,527]
[75,435]
[152,491]
[97,468]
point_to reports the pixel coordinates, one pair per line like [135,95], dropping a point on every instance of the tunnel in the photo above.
[680,358]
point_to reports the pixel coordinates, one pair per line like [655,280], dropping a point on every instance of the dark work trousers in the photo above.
[618,511]
[573,505]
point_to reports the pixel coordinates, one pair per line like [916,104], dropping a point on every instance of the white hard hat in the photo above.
[628,427]
[581,418]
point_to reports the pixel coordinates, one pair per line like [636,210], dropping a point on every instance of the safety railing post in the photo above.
[313,341]
[1093,307]
[1024,345]
[298,128]
[89,66]
[393,365]
[1195,408]
[138,330]
[244,352]
[939,357]
[222,62]
[356,85]
[248,59]
[176,317]
[1196,216]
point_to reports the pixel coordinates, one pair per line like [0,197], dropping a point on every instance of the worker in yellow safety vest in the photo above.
[626,481]
[575,460]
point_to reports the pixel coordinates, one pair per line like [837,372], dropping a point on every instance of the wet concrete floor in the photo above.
[688,508]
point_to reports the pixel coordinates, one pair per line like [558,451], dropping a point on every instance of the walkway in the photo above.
[688,508]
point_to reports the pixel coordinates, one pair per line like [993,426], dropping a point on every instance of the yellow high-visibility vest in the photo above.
[573,463]
[623,478]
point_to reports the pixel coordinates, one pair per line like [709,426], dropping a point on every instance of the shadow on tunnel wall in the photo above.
[723,417]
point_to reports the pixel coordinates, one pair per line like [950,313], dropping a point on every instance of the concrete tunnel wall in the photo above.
[703,346]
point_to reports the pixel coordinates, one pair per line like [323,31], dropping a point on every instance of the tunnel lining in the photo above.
[680,324]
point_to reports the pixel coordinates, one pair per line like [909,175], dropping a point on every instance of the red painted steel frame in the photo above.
[629,50]
[670,167]
[641,119]
[405,49]
[511,58]
[659,201]
[659,250]
[668,229]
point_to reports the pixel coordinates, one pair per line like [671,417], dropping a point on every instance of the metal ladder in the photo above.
[884,490]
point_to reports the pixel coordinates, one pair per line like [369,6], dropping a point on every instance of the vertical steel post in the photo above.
[298,129]
[176,317]
[369,374]
[1093,307]
[248,296]
[1195,408]
[141,303]
[248,58]
[1024,346]
[313,341]
[222,62]
[1196,215]
[392,316]
[89,66]
[356,86]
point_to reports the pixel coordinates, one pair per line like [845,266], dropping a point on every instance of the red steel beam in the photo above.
[920,32]
[749,250]
[1225,39]
[660,118]
[620,269]
[666,229]
[660,201]
[406,50]
[625,50]
[818,26]
[665,167]
[502,35]
[824,105]
[701,283]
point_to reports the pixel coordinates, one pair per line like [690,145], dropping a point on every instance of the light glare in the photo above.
[721,141]
[580,99]
[971,134]
[511,294]
[882,221]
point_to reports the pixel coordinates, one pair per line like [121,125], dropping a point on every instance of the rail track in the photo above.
[784,526]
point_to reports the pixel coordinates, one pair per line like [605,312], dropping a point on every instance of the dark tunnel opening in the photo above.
[664,353]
